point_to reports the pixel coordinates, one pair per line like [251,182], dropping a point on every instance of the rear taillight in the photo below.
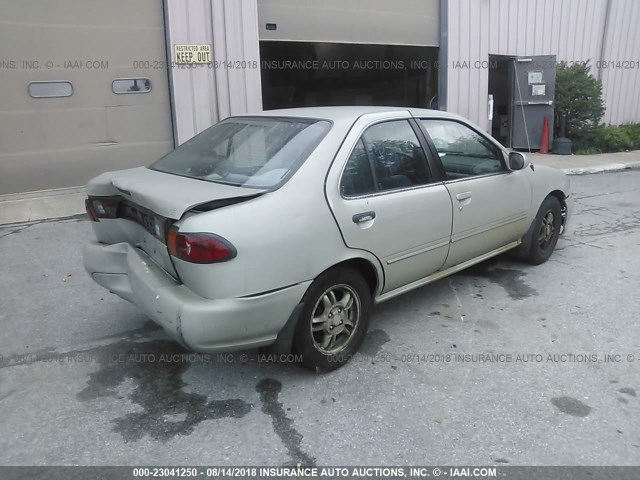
[199,247]
[92,214]
[98,208]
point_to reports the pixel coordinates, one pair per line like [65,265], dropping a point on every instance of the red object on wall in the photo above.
[544,142]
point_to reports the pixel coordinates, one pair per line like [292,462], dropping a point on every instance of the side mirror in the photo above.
[517,161]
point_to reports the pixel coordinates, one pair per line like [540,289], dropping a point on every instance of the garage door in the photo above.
[84,90]
[397,22]
[349,52]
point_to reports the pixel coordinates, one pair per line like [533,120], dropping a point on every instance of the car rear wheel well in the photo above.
[366,269]
[284,341]
[560,196]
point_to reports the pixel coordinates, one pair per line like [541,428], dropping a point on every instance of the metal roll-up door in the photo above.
[84,90]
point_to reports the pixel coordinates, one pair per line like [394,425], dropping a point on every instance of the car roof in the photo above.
[342,113]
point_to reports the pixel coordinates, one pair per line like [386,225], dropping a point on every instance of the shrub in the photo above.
[611,138]
[633,132]
[587,139]
[579,98]
[586,151]
[608,138]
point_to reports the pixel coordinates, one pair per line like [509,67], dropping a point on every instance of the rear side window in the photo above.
[388,156]
[357,178]
[259,152]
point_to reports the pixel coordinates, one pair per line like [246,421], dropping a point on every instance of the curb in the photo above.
[612,167]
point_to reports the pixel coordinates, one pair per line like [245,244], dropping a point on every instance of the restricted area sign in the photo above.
[185,54]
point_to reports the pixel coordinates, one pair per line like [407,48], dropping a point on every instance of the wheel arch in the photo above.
[366,269]
[523,249]
[562,197]
[372,275]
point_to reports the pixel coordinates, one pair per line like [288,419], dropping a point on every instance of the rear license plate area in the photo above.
[155,224]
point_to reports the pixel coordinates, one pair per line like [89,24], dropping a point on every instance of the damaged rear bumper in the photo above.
[200,324]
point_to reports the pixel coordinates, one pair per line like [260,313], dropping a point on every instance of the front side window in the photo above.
[388,156]
[463,151]
[258,152]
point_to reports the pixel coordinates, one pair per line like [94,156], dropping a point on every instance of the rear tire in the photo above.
[334,319]
[545,231]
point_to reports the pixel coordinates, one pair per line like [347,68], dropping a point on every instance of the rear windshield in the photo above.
[251,152]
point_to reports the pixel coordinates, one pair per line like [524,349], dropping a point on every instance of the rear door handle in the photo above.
[463,196]
[363,217]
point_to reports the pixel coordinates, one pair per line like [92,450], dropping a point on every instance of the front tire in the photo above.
[334,319]
[545,231]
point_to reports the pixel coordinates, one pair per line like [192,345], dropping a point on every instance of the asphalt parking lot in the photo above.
[502,364]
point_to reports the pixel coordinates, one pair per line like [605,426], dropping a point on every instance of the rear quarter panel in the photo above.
[283,237]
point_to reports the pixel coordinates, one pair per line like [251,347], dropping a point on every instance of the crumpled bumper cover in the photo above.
[201,324]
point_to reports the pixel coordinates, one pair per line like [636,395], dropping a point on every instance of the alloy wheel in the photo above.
[335,319]
[547,229]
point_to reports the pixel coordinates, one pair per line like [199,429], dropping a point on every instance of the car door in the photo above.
[490,202]
[386,201]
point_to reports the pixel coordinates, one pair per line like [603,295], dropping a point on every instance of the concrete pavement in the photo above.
[67,202]
[86,379]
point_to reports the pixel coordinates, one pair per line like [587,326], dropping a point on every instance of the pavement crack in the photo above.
[21,226]
[8,394]
[15,230]
[269,390]
[455,292]
[44,355]
[604,194]
[84,352]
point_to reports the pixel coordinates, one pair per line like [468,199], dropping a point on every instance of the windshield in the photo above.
[256,152]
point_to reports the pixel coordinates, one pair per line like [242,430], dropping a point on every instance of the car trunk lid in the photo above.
[167,195]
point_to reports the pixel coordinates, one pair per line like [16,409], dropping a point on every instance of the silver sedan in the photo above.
[284,228]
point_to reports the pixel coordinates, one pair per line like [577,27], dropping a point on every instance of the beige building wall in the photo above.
[205,94]
[601,31]
[620,70]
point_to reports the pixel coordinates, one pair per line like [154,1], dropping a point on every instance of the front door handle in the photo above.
[464,198]
[363,217]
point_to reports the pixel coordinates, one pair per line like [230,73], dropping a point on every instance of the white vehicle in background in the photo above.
[284,228]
